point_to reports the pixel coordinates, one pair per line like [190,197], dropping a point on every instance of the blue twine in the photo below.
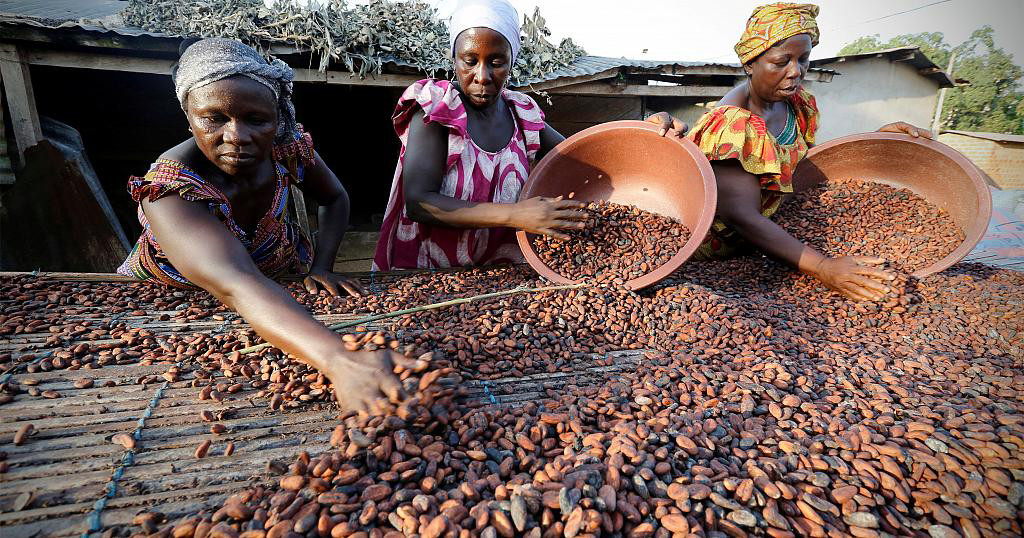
[7,377]
[490,395]
[127,460]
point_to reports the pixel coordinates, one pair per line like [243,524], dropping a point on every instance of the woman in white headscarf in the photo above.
[467,148]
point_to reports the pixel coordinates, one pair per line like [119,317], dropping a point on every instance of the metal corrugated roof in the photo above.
[90,15]
[62,10]
[592,65]
[104,16]
[995,137]
[52,24]
[909,54]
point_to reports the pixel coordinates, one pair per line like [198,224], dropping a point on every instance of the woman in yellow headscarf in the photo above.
[754,139]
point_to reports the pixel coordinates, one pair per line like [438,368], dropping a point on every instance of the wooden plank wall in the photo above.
[52,221]
[570,114]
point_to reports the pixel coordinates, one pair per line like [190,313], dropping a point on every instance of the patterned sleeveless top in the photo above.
[470,174]
[276,245]
[731,132]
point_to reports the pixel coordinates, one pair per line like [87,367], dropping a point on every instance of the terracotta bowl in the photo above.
[627,162]
[930,169]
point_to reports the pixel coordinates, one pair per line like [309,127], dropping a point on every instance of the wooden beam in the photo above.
[105,62]
[905,56]
[21,101]
[382,79]
[676,69]
[301,214]
[601,88]
[819,76]
[6,166]
[162,66]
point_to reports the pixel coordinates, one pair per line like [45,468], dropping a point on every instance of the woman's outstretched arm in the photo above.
[739,206]
[423,172]
[204,251]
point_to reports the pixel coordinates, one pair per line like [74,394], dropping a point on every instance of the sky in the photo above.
[693,30]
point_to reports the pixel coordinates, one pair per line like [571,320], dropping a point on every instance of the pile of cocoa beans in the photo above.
[863,218]
[764,406]
[619,243]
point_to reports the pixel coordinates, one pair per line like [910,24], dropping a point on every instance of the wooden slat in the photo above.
[6,166]
[603,88]
[162,66]
[355,253]
[106,62]
[383,79]
[68,462]
[592,109]
[299,206]
[21,101]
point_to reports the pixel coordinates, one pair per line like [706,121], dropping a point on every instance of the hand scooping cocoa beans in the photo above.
[863,218]
[619,242]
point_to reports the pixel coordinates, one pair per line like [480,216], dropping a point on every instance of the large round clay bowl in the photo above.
[627,162]
[930,169]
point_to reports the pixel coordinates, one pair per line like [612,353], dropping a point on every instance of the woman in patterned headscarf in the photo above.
[756,136]
[467,148]
[214,212]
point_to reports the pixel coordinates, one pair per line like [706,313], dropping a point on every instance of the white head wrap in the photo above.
[498,15]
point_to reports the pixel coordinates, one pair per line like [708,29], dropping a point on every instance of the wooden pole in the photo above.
[937,118]
[21,101]
[424,308]
[301,216]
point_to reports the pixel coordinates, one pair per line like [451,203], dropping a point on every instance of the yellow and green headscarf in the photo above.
[772,23]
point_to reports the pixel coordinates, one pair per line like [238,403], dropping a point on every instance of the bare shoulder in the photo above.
[186,153]
[419,130]
[737,96]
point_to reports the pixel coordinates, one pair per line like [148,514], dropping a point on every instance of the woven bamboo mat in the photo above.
[56,478]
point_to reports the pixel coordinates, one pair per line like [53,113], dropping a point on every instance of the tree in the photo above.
[992,101]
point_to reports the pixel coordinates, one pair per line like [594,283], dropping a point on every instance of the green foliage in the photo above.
[992,102]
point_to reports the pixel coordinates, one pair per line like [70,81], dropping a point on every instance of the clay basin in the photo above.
[627,162]
[932,170]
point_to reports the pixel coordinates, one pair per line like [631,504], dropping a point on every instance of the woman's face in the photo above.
[776,74]
[482,61]
[234,122]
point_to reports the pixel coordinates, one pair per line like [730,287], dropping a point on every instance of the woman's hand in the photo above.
[855,276]
[365,381]
[668,122]
[905,128]
[331,281]
[547,216]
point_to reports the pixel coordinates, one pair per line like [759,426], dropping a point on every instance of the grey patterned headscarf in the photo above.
[213,59]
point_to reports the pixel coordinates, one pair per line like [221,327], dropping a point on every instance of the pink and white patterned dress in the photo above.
[470,174]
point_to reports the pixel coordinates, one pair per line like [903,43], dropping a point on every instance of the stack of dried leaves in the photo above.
[362,38]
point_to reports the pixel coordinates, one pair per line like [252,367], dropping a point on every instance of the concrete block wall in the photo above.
[1002,161]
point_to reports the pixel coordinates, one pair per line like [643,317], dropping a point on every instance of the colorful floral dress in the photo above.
[277,244]
[470,174]
[730,132]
